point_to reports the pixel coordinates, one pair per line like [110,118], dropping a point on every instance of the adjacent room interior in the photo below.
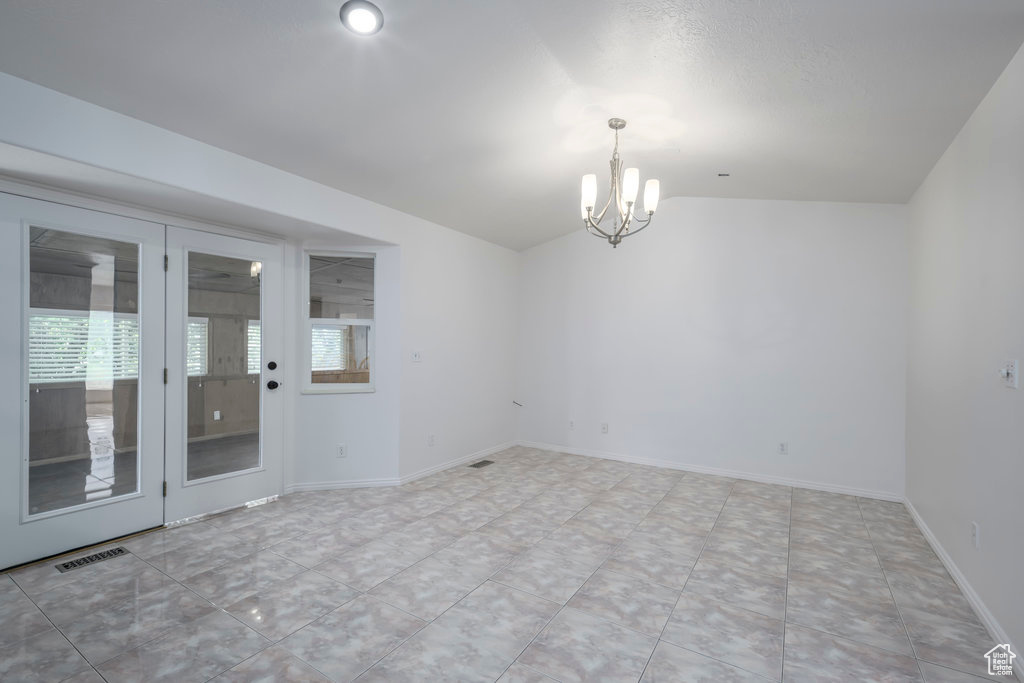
[317,372]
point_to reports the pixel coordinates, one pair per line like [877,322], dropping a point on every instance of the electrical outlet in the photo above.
[976,535]
[783,448]
[604,427]
[572,425]
[216,415]
[342,450]
[430,440]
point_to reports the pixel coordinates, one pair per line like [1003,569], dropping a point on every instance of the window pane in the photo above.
[83,369]
[253,347]
[341,287]
[328,348]
[197,347]
[64,345]
[340,353]
[341,308]
[223,396]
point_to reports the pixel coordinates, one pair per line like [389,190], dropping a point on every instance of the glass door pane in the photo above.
[83,369]
[222,359]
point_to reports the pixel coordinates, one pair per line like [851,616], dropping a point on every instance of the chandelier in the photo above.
[622,197]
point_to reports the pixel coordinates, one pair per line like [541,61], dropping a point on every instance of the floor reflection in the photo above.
[106,474]
[62,484]
[211,457]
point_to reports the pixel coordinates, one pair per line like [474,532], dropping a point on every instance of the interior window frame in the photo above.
[307,385]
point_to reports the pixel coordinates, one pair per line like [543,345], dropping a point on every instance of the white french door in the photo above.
[224,344]
[81,412]
[139,384]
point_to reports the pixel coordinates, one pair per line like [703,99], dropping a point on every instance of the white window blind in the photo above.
[253,347]
[197,345]
[72,346]
[328,347]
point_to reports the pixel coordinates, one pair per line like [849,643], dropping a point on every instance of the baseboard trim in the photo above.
[988,620]
[455,462]
[332,485]
[426,472]
[701,469]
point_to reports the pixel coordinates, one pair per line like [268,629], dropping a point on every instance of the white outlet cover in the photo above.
[417,357]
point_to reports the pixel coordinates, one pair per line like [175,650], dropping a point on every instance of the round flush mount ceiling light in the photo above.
[362,17]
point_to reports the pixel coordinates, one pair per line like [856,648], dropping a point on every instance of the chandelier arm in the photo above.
[627,220]
[643,224]
[589,223]
[600,217]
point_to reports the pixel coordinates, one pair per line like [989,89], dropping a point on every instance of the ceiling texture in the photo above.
[483,115]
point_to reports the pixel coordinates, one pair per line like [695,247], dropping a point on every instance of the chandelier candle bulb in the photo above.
[589,192]
[630,185]
[652,190]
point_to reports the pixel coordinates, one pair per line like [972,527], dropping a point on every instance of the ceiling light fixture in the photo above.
[362,17]
[622,194]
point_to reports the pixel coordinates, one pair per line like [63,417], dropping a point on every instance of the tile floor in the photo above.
[541,567]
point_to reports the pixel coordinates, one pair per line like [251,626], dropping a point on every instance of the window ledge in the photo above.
[339,389]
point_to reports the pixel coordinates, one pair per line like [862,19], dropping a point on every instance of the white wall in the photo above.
[727,327]
[458,310]
[450,297]
[367,423]
[965,431]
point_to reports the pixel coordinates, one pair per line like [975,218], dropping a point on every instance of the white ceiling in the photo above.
[482,116]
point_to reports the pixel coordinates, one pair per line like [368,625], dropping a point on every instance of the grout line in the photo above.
[885,577]
[688,575]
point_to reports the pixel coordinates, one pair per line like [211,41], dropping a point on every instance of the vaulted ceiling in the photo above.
[482,116]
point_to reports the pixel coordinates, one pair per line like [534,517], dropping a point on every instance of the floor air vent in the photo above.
[482,463]
[91,559]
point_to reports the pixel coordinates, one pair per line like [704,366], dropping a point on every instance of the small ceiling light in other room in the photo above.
[362,17]
[622,194]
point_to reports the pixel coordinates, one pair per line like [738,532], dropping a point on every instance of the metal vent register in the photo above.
[482,463]
[90,559]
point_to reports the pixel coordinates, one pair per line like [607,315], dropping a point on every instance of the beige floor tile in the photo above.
[625,600]
[352,638]
[576,646]
[813,656]
[671,664]
[730,634]
[757,592]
